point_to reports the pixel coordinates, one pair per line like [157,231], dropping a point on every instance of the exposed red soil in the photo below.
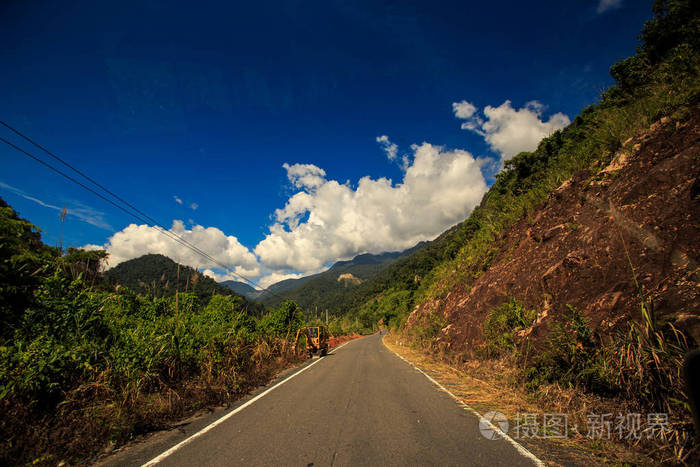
[587,244]
[336,341]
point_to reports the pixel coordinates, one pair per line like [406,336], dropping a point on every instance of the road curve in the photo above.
[360,405]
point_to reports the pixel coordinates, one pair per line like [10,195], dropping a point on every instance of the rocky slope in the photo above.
[601,243]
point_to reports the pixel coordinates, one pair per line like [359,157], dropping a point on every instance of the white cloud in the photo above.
[463,109]
[390,148]
[220,277]
[605,5]
[177,199]
[509,131]
[137,240]
[194,206]
[439,188]
[226,276]
[305,175]
[325,220]
[275,277]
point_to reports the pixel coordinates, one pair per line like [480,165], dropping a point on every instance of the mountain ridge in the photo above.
[157,275]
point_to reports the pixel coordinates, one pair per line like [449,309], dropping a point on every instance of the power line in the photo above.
[153,221]
[146,218]
[161,229]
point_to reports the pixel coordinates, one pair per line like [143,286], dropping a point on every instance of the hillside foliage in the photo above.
[158,276]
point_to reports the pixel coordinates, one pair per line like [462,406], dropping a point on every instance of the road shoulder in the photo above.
[147,446]
[489,396]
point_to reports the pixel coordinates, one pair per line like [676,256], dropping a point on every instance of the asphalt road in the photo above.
[360,405]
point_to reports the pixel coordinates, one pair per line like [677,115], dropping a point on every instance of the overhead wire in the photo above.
[137,213]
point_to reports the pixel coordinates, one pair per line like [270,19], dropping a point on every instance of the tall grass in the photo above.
[106,366]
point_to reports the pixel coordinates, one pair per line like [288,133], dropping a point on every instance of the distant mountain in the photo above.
[324,290]
[157,276]
[241,288]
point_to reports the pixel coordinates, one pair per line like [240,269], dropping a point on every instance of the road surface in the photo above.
[360,405]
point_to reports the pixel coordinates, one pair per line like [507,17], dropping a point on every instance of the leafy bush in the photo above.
[284,321]
[427,329]
[502,324]
[571,357]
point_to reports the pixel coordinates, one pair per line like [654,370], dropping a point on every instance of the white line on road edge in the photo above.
[519,447]
[221,420]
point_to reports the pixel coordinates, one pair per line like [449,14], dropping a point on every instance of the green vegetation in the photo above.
[325,292]
[646,363]
[159,276]
[571,357]
[640,367]
[106,364]
[502,325]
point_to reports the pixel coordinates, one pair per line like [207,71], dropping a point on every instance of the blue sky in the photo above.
[206,103]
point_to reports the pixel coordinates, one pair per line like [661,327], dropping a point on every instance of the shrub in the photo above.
[501,326]
[571,357]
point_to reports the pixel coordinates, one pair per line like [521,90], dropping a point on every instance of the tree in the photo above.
[284,321]
[22,258]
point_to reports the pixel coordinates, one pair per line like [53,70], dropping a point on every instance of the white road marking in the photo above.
[519,447]
[221,420]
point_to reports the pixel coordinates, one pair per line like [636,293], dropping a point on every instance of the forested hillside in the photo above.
[241,288]
[157,276]
[324,291]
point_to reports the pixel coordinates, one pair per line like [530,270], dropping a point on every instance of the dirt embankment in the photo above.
[595,243]
[336,341]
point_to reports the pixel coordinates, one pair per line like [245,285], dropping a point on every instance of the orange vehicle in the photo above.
[316,340]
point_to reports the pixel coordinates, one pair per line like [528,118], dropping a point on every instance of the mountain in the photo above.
[157,275]
[325,291]
[241,288]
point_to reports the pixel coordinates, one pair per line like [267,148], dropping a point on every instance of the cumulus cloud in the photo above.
[605,5]
[177,199]
[220,277]
[306,176]
[390,148]
[275,277]
[463,109]
[326,220]
[137,240]
[509,131]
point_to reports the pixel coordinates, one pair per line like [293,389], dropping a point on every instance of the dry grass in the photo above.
[495,384]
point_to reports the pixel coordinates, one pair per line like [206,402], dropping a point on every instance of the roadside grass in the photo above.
[630,376]
[497,385]
[107,408]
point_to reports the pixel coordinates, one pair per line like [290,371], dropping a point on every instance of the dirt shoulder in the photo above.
[491,386]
